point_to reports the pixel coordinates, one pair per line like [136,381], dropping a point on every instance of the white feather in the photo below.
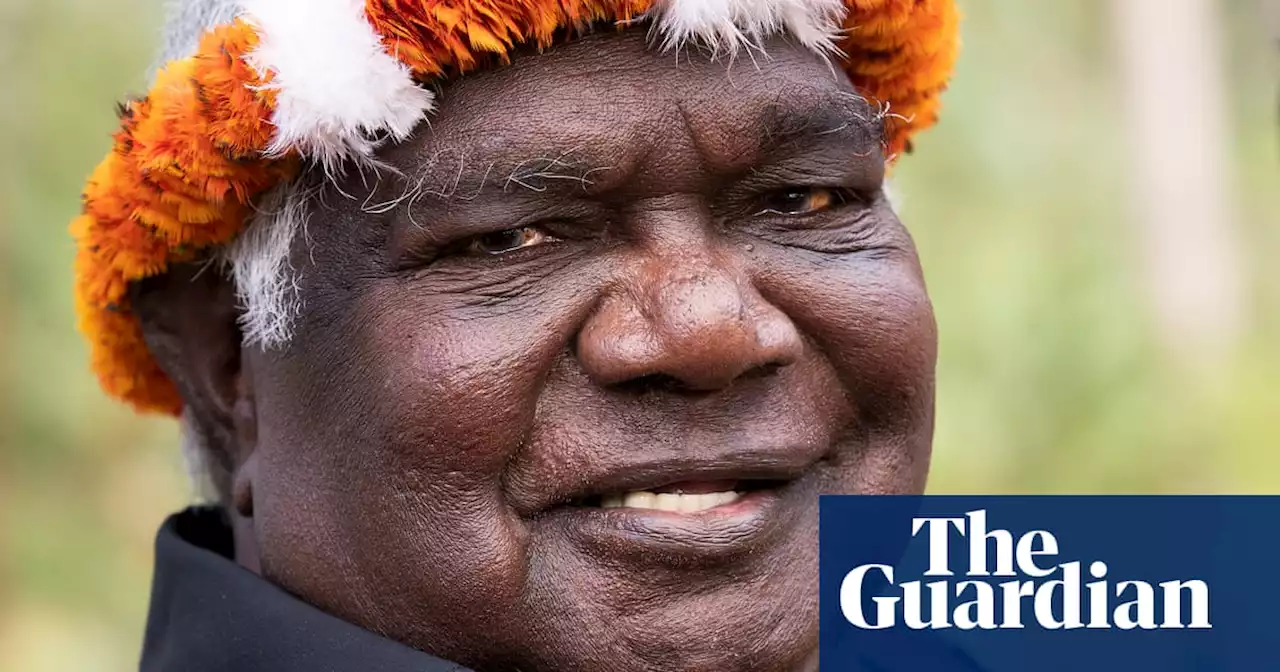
[729,25]
[340,94]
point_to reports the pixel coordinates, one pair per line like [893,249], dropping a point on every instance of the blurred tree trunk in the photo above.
[1171,64]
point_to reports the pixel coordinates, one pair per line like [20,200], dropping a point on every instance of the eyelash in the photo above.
[541,236]
[832,199]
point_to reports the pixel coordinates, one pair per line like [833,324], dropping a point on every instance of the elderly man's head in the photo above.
[556,383]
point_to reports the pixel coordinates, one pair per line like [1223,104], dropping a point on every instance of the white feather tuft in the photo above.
[729,25]
[340,94]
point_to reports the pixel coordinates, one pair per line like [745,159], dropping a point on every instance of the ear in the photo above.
[189,322]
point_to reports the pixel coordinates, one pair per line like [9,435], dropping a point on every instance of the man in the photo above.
[520,334]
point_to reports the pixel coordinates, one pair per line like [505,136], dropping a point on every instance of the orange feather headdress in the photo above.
[294,81]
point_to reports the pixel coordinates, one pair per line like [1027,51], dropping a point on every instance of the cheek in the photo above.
[871,318]
[392,425]
[454,397]
[456,380]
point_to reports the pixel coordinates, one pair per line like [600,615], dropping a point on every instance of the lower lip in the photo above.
[755,521]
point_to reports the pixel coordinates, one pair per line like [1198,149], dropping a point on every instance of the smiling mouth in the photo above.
[699,508]
[683,497]
[695,519]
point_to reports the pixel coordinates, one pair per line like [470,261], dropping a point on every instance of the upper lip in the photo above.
[780,464]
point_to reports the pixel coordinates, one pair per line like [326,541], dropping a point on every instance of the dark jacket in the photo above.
[209,614]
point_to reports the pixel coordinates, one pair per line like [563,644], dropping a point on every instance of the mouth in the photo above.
[686,497]
[687,484]
[690,513]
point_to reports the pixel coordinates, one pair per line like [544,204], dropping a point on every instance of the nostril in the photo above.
[764,370]
[661,383]
[654,382]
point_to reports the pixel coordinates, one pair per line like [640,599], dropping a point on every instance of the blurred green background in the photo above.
[1107,306]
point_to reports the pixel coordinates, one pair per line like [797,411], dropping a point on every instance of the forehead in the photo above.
[612,99]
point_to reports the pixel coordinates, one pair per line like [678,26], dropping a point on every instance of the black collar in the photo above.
[208,614]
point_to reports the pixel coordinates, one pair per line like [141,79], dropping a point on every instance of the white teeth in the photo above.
[669,501]
[640,500]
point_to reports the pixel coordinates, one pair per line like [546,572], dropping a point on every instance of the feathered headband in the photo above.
[290,82]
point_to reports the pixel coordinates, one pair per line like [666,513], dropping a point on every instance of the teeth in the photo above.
[640,500]
[669,501]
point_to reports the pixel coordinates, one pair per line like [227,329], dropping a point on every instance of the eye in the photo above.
[508,240]
[801,201]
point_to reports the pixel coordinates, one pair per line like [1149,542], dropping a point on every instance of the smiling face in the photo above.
[570,403]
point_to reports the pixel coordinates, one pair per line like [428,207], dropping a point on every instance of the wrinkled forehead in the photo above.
[607,101]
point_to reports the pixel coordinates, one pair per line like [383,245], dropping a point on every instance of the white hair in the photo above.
[260,266]
[200,463]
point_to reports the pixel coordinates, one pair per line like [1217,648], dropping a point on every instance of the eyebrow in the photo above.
[454,174]
[833,115]
[540,172]
[787,125]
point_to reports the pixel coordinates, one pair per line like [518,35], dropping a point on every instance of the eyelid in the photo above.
[466,246]
[465,221]
[810,172]
[840,198]
[822,167]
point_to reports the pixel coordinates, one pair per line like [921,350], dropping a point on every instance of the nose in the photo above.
[699,324]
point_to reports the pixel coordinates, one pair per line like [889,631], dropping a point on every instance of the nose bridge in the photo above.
[695,300]
[688,314]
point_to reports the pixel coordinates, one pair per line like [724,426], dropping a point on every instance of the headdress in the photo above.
[287,83]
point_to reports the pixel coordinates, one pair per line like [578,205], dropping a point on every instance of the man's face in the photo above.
[608,275]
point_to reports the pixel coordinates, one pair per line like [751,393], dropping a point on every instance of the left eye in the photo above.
[800,201]
[508,240]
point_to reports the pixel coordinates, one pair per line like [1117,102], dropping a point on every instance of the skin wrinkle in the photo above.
[830,113]
[414,445]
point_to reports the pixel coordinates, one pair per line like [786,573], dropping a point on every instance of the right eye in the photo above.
[508,240]
[799,201]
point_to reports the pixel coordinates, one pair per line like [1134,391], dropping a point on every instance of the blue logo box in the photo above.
[1014,583]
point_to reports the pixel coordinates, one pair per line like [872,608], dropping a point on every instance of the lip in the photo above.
[728,533]
[780,515]
[774,465]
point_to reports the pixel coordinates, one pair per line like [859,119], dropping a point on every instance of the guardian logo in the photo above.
[1052,583]
[1010,583]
